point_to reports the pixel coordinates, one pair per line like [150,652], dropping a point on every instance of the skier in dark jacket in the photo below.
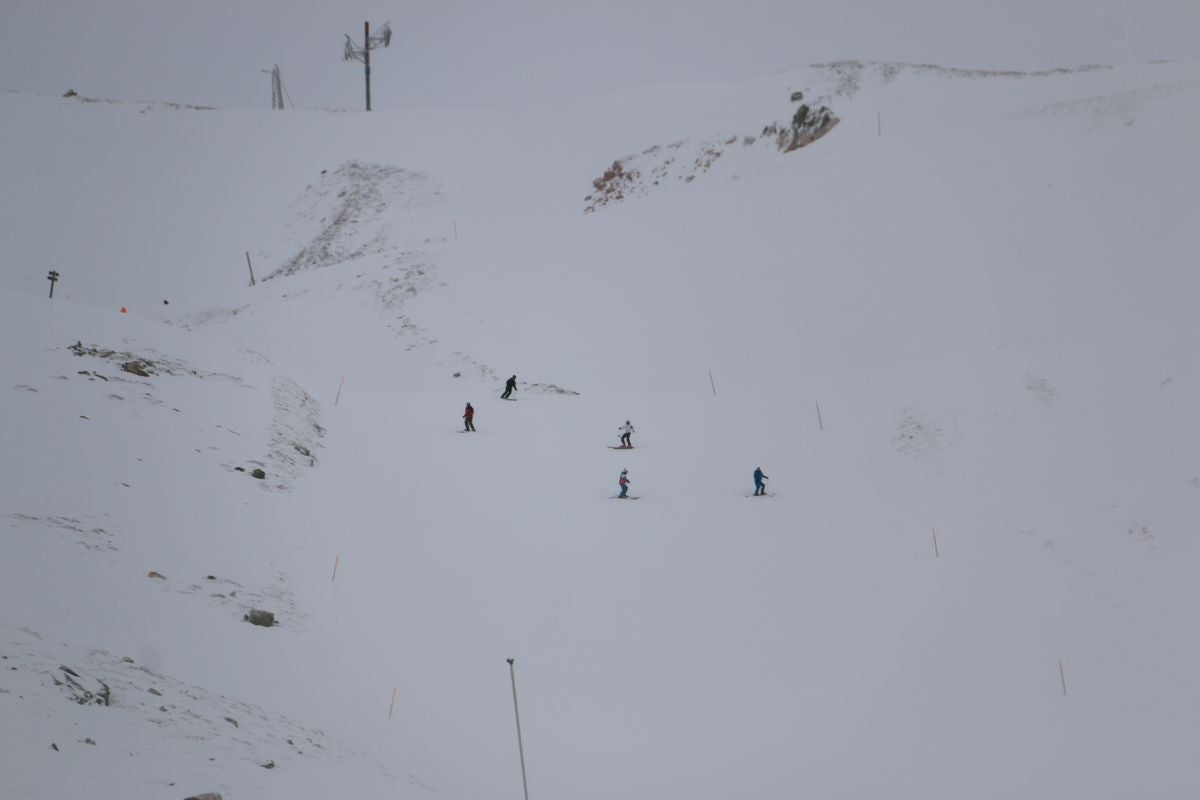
[759,486]
[469,418]
[510,386]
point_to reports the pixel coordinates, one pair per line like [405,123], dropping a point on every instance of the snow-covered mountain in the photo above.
[949,312]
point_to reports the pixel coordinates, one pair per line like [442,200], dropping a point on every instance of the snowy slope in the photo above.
[981,278]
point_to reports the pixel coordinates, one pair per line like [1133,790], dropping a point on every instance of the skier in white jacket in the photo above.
[626,432]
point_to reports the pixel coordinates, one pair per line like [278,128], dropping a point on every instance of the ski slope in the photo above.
[983,279]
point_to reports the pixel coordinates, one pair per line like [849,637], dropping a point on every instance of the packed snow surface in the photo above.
[957,331]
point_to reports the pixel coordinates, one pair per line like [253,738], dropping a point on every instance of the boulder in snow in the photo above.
[256,616]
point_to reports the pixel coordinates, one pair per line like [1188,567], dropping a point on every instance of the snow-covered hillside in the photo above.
[956,330]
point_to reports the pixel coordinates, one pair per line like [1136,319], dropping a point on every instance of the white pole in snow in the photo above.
[517,712]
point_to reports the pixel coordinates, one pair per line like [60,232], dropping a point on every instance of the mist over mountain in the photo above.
[944,303]
[472,54]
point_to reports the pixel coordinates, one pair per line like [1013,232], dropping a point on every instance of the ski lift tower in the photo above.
[355,53]
[276,88]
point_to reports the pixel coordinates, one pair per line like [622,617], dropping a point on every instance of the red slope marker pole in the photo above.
[936,554]
[1063,677]
[393,705]
[820,423]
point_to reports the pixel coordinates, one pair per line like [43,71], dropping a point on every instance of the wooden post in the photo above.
[53,277]
[251,266]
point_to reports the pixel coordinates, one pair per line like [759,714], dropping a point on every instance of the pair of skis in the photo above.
[637,496]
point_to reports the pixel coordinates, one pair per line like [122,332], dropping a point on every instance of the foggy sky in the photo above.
[464,53]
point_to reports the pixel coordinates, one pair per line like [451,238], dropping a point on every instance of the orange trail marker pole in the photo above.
[336,560]
[820,422]
[1063,677]
[393,705]
[936,554]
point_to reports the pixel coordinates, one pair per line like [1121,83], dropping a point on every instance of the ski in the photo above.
[620,447]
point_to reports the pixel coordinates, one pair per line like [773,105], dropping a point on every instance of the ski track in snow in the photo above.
[89,537]
[1119,109]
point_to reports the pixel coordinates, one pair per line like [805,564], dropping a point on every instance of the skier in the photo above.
[626,432]
[623,482]
[469,418]
[759,486]
[510,386]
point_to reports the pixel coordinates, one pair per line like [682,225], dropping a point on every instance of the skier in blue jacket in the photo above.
[759,486]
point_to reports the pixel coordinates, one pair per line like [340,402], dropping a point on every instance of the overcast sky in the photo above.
[454,53]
